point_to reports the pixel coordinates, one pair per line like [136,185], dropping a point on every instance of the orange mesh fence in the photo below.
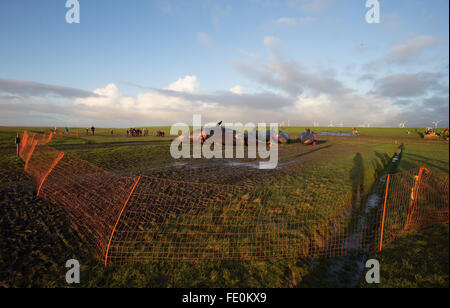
[179,221]
[144,219]
[415,199]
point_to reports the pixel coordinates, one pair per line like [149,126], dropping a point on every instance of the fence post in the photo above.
[384,211]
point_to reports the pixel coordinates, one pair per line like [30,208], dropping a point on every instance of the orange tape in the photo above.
[384,212]
[415,193]
[118,219]
[60,156]
[31,153]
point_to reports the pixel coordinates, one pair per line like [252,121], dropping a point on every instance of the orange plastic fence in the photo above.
[144,219]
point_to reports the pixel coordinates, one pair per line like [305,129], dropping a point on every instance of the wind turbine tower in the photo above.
[402,124]
[436,123]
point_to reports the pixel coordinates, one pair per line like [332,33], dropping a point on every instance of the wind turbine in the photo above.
[436,123]
[402,124]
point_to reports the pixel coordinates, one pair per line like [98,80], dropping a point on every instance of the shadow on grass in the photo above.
[419,160]
[315,150]
[357,178]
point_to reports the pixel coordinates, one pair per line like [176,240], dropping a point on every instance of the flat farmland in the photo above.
[39,238]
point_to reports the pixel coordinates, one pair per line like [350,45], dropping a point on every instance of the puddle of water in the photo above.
[238,164]
[337,134]
[372,202]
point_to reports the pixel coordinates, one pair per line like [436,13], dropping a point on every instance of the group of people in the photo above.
[132,132]
[137,132]
[92,130]
[160,133]
[56,130]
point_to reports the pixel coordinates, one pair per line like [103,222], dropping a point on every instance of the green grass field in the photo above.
[418,260]
[38,239]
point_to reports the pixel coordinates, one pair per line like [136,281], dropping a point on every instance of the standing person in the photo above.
[87,131]
[67,130]
[17,143]
[112,132]
[93,130]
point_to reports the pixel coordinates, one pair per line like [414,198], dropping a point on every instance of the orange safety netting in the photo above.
[145,219]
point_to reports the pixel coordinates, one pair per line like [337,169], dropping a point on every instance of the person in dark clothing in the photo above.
[93,130]
[17,143]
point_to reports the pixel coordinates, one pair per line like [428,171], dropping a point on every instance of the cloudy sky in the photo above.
[140,62]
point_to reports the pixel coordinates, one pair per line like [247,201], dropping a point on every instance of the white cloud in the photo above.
[177,103]
[186,84]
[109,96]
[236,90]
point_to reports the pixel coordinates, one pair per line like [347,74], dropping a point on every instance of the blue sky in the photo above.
[139,62]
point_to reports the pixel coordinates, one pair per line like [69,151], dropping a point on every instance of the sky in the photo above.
[131,63]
